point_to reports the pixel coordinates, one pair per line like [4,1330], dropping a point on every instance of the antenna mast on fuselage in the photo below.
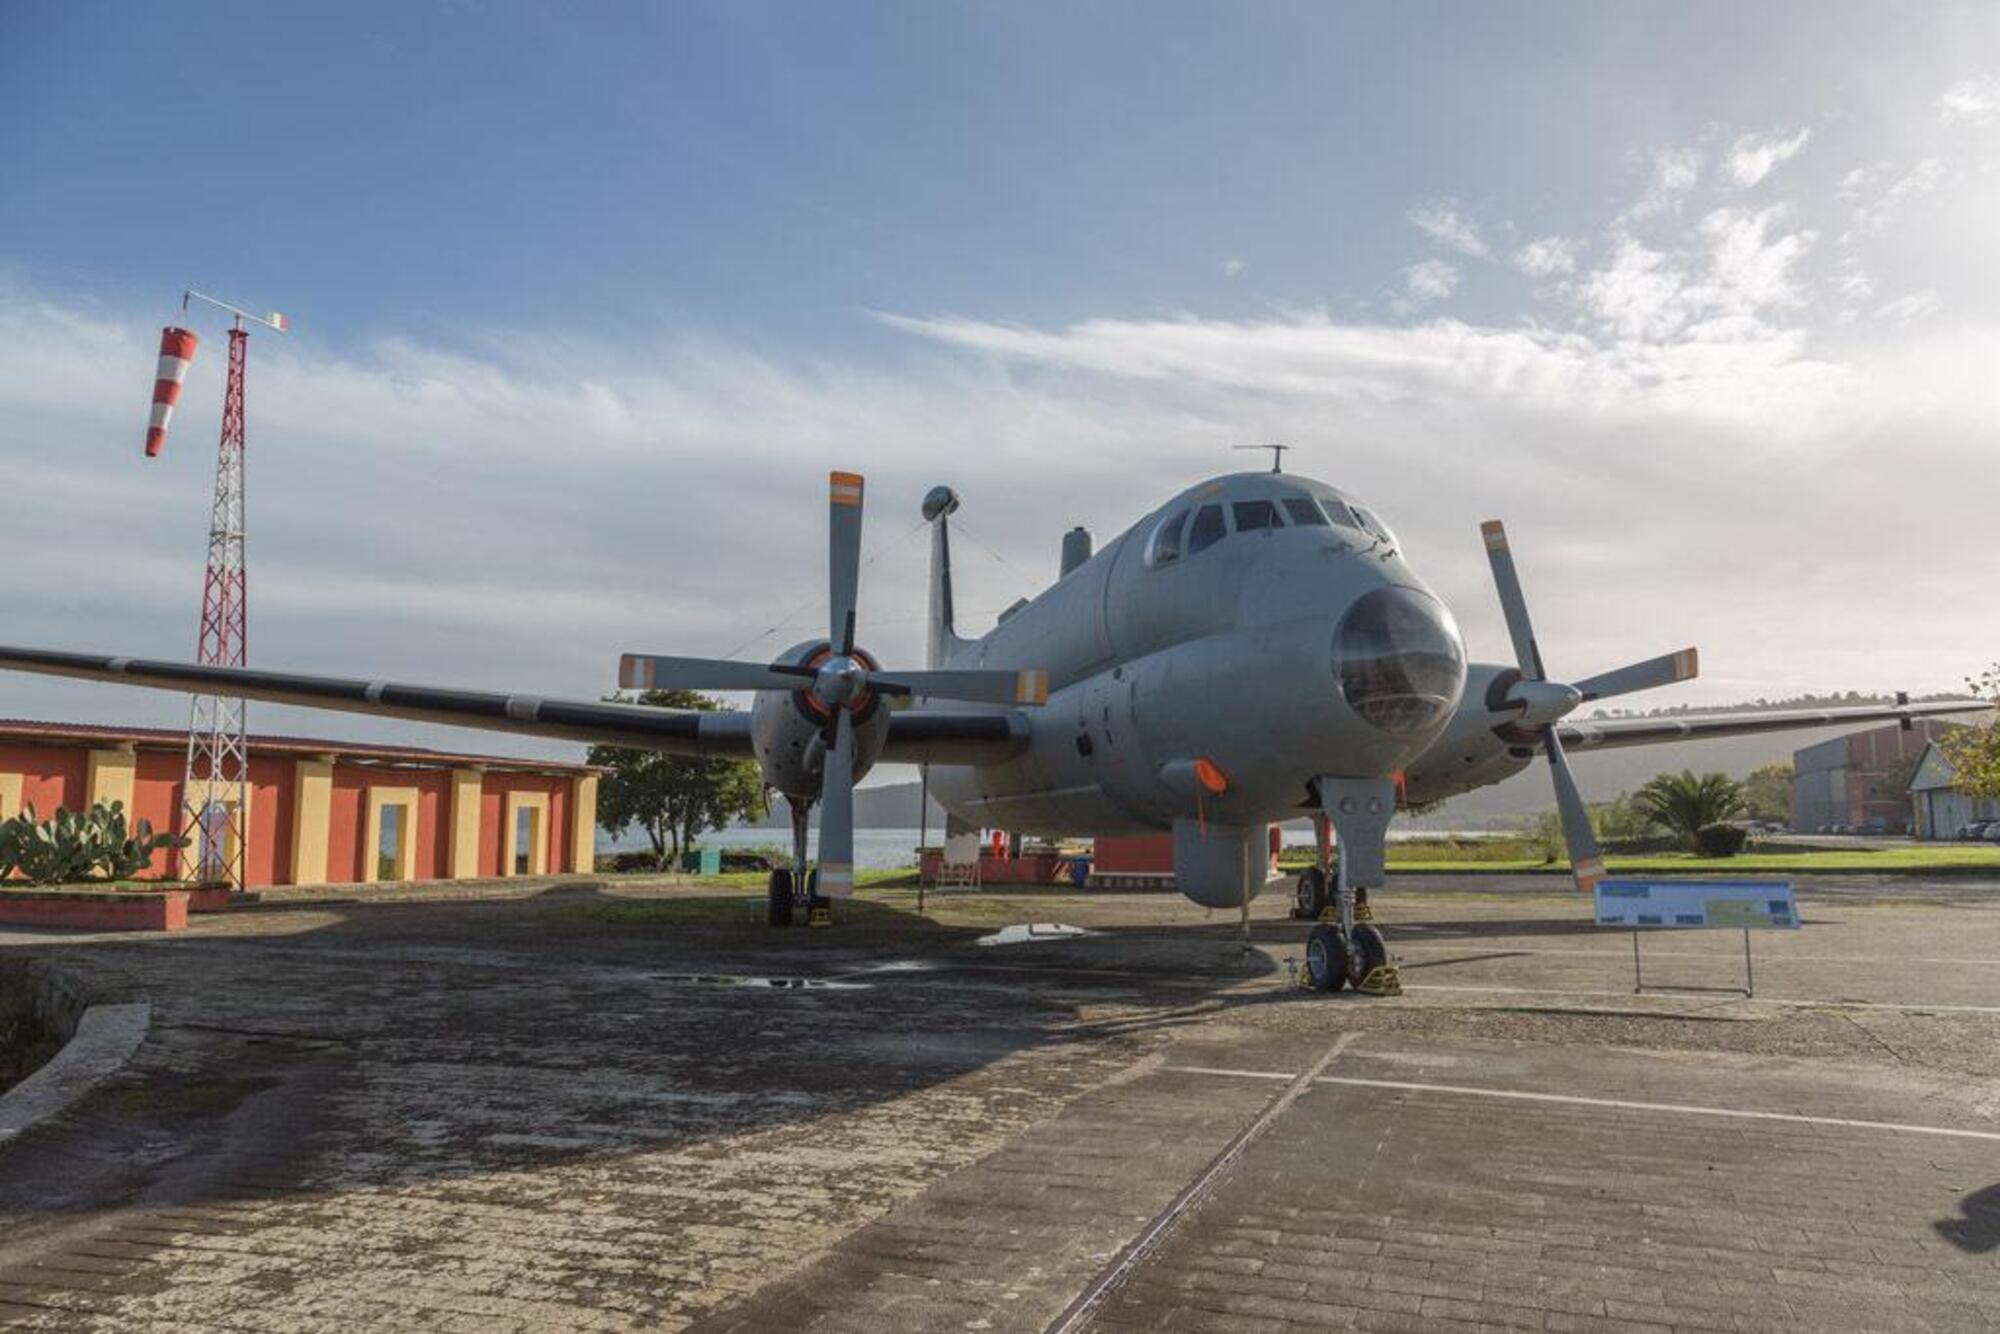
[1277,454]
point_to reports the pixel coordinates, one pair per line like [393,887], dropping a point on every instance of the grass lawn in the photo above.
[1517,857]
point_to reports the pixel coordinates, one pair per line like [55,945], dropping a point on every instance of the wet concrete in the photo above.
[604,1107]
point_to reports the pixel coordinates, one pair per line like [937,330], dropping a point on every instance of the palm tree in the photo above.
[1684,803]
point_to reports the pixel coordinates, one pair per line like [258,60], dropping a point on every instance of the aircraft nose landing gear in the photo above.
[1348,950]
[1334,960]
[796,888]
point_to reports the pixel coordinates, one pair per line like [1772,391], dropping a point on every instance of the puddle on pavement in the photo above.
[766,983]
[1025,933]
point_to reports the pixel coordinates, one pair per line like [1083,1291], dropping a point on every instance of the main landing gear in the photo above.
[795,888]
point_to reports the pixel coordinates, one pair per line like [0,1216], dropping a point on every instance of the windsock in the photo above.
[176,354]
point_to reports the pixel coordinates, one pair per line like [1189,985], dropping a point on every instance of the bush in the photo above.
[1720,840]
[754,859]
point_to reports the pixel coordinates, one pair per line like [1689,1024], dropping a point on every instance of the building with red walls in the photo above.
[323,812]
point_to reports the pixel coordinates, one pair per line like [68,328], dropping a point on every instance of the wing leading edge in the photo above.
[1610,733]
[914,736]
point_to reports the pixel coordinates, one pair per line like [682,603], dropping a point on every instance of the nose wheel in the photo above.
[1335,959]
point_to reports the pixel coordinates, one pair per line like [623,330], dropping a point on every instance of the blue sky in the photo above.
[1702,299]
[768,172]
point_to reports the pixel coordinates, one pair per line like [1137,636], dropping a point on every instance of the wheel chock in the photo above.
[1363,913]
[820,917]
[1329,913]
[1382,980]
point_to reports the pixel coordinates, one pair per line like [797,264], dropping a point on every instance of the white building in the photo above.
[1937,806]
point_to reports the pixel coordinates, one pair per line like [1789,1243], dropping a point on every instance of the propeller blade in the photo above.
[643,671]
[843,558]
[1654,672]
[1585,861]
[1511,600]
[836,812]
[972,687]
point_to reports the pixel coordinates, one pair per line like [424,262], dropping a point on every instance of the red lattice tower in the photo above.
[215,789]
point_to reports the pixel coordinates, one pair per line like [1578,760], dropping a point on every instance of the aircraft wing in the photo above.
[915,736]
[1607,733]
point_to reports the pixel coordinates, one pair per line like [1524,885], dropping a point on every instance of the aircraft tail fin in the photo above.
[943,643]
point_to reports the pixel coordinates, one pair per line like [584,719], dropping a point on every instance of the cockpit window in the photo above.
[1337,511]
[1304,510]
[1373,526]
[1206,530]
[1254,514]
[1166,544]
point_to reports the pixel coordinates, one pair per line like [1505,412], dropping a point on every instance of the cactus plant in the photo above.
[69,846]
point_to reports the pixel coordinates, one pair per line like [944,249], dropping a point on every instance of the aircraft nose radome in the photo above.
[1399,660]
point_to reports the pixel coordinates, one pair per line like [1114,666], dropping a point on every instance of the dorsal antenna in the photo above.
[1277,454]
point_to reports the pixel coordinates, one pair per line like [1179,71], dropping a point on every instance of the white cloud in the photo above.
[1738,272]
[1912,307]
[1755,156]
[1875,204]
[1546,256]
[1851,282]
[1672,173]
[1233,266]
[1443,222]
[1974,101]
[1751,270]
[1430,280]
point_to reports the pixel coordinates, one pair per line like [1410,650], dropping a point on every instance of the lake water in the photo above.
[895,849]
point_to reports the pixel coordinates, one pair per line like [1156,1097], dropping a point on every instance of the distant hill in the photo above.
[1601,774]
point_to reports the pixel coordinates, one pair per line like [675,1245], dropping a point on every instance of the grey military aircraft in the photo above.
[1254,649]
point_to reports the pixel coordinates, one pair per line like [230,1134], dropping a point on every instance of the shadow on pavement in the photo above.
[393,1043]
[1979,1230]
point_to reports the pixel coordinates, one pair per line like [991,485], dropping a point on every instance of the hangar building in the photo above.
[1938,808]
[324,812]
[1852,780]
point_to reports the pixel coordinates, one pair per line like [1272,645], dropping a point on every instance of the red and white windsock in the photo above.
[176,355]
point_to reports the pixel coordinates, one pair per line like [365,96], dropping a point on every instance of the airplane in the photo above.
[1256,647]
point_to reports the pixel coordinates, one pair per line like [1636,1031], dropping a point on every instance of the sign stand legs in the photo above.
[1749,975]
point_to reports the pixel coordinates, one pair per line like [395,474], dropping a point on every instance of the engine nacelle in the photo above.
[787,729]
[1479,747]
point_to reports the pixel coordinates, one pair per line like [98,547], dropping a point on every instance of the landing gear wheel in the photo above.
[1366,951]
[779,890]
[1310,896]
[1326,959]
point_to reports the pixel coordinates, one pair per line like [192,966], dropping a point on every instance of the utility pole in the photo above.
[215,791]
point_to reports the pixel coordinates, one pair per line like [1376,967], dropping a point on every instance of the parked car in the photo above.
[1991,832]
[1972,832]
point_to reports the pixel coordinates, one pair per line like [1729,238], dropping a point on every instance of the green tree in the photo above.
[674,798]
[1684,803]
[1975,751]
[1767,792]
[1622,820]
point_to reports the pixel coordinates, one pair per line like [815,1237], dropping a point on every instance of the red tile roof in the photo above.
[19,730]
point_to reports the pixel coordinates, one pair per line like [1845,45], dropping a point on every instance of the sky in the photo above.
[1700,298]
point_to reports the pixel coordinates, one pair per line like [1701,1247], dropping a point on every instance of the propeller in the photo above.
[841,678]
[1543,703]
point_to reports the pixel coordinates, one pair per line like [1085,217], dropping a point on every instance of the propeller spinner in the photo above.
[839,683]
